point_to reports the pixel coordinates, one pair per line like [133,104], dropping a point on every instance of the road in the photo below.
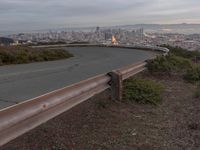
[22,82]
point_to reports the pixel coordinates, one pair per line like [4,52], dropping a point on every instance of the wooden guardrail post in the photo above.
[116,85]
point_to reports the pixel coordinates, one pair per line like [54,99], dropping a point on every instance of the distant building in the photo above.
[108,36]
[97,30]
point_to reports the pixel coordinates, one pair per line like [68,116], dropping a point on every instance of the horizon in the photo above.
[23,15]
[4,33]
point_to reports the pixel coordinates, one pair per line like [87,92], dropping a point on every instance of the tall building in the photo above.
[97,30]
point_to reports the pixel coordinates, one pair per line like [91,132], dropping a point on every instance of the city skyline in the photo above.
[23,15]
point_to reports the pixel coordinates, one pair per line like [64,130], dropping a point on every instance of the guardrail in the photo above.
[23,117]
[154,48]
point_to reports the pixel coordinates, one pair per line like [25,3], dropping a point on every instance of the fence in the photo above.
[21,118]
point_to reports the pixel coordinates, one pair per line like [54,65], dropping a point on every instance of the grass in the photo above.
[23,55]
[193,74]
[178,51]
[142,91]
[169,64]
[179,61]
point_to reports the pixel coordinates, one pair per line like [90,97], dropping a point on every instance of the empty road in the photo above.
[22,82]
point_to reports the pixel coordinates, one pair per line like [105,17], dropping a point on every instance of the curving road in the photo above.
[21,82]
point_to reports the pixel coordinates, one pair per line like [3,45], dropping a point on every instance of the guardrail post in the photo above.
[116,85]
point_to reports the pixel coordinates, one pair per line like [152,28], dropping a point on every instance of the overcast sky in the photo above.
[44,14]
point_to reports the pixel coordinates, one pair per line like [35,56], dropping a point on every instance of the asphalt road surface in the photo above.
[22,82]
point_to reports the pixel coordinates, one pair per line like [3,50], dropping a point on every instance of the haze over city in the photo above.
[23,15]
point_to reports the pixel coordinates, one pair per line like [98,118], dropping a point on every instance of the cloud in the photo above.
[37,14]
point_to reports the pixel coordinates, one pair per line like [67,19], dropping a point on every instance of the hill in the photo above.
[6,41]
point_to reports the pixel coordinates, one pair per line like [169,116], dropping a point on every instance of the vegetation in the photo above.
[193,74]
[142,91]
[21,55]
[178,51]
[179,61]
[169,64]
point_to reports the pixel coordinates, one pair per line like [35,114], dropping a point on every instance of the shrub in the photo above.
[168,64]
[21,55]
[178,51]
[6,57]
[193,74]
[142,91]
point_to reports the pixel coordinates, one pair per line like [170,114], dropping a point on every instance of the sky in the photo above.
[25,15]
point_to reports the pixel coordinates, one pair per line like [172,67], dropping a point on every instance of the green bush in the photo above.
[193,74]
[142,91]
[6,57]
[168,64]
[178,51]
[21,55]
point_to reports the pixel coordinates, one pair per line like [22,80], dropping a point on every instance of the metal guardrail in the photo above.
[156,48]
[19,119]
[23,117]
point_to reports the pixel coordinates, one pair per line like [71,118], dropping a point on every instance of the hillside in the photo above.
[6,41]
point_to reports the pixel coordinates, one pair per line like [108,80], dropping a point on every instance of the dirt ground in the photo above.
[101,124]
